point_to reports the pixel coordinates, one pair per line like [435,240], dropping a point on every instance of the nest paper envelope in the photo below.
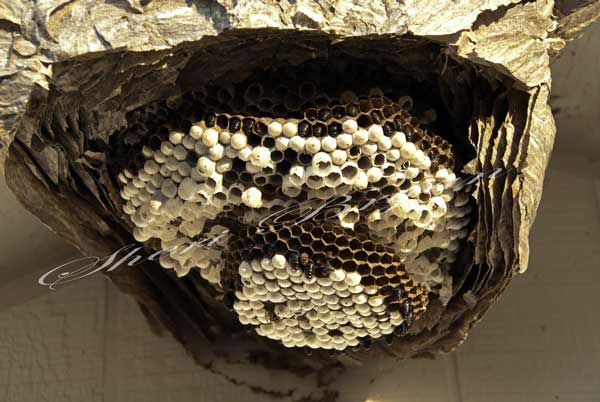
[70,82]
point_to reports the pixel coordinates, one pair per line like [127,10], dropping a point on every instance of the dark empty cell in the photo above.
[318,246]
[364,121]
[388,190]
[209,119]
[334,129]
[367,280]
[338,112]
[296,230]
[376,117]
[328,238]
[341,241]
[268,251]
[245,178]
[283,167]
[260,128]
[308,226]
[373,194]
[267,142]
[247,125]
[363,269]
[259,180]
[349,266]
[304,129]
[256,254]
[386,258]
[238,165]
[305,239]
[317,232]
[222,121]
[364,106]
[311,114]
[374,258]
[253,140]
[290,155]
[235,192]
[324,114]
[330,249]
[361,255]
[269,190]
[345,254]
[280,247]
[319,130]
[304,159]
[265,103]
[276,180]
[270,237]
[378,270]
[285,234]
[336,263]
[405,185]
[382,281]
[294,244]
[276,156]
[352,110]
[355,244]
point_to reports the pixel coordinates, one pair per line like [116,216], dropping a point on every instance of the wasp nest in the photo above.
[323,220]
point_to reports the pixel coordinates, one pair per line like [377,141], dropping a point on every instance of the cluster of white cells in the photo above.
[331,312]
[196,176]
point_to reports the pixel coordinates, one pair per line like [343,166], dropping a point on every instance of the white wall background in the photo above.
[540,343]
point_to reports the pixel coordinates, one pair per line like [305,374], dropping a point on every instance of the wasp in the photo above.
[406,309]
[309,270]
[294,261]
[271,314]
[399,293]
[302,261]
